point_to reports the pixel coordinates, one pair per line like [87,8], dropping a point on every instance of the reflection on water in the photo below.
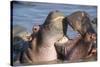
[29,13]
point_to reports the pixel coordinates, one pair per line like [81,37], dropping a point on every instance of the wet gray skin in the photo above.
[77,48]
[80,22]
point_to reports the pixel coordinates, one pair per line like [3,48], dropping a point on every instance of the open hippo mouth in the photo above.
[80,22]
[55,24]
[43,39]
[78,48]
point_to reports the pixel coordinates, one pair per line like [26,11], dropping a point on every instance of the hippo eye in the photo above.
[35,29]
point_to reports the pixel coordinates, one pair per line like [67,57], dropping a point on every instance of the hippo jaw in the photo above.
[80,22]
[54,26]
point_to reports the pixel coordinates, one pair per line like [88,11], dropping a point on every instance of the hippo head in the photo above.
[52,30]
[54,26]
[90,37]
[80,22]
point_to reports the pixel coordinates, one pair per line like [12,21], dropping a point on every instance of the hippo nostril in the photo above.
[35,29]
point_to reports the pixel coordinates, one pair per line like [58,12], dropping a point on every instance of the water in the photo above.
[27,13]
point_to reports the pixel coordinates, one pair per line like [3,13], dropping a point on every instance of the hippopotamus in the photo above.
[41,48]
[83,47]
[69,49]
[75,49]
